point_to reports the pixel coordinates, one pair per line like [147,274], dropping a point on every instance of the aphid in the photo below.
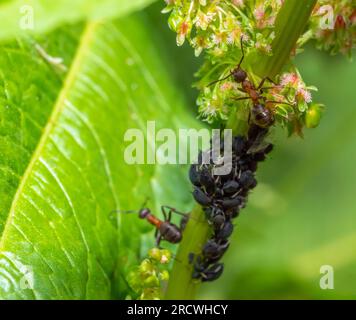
[256,135]
[217,218]
[268,148]
[231,187]
[259,156]
[219,193]
[234,212]
[201,197]
[165,230]
[227,177]
[253,165]
[212,272]
[229,203]
[257,139]
[239,144]
[225,231]
[191,256]
[205,271]
[213,251]
[194,175]
[208,212]
[247,180]
[199,264]
[206,179]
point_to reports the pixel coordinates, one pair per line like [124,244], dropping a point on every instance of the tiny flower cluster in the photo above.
[333,26]
[217,26]
[295,103]
[221,28]
[146,279]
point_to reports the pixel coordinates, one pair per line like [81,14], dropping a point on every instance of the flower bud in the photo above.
[313,116]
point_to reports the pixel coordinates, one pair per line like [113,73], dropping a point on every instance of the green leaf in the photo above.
[38,16]
[62,166]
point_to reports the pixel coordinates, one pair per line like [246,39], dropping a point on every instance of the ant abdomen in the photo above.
[170,232]
[262,116]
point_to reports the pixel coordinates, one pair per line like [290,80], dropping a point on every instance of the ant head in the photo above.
[143,213]
[239,75]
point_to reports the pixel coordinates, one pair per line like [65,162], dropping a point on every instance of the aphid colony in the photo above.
[222,197]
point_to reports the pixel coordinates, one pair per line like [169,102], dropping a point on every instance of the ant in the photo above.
[165,230]
[261,114]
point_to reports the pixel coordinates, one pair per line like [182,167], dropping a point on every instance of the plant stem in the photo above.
[290,24]
[181,284]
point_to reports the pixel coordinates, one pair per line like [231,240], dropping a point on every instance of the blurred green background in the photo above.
[303,213]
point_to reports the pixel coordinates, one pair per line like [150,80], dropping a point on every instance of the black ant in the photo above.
[165,230]
[261,115]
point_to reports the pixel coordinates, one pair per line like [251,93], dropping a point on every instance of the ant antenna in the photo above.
[238,66]
[124,211]
[145,202]
[131,211]
[216,81]
[243,52]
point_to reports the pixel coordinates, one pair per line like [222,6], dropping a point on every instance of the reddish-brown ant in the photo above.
[165,229]
[261,114]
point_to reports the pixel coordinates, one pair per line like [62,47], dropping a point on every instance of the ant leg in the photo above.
[191,257]
[171,209]
[268,88]
[278,102]
[166,217]
[263,82]
[158,239]
[183,221]
[242,98]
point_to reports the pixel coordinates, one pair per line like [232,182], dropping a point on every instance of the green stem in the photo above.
[181,286]
[290,24]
